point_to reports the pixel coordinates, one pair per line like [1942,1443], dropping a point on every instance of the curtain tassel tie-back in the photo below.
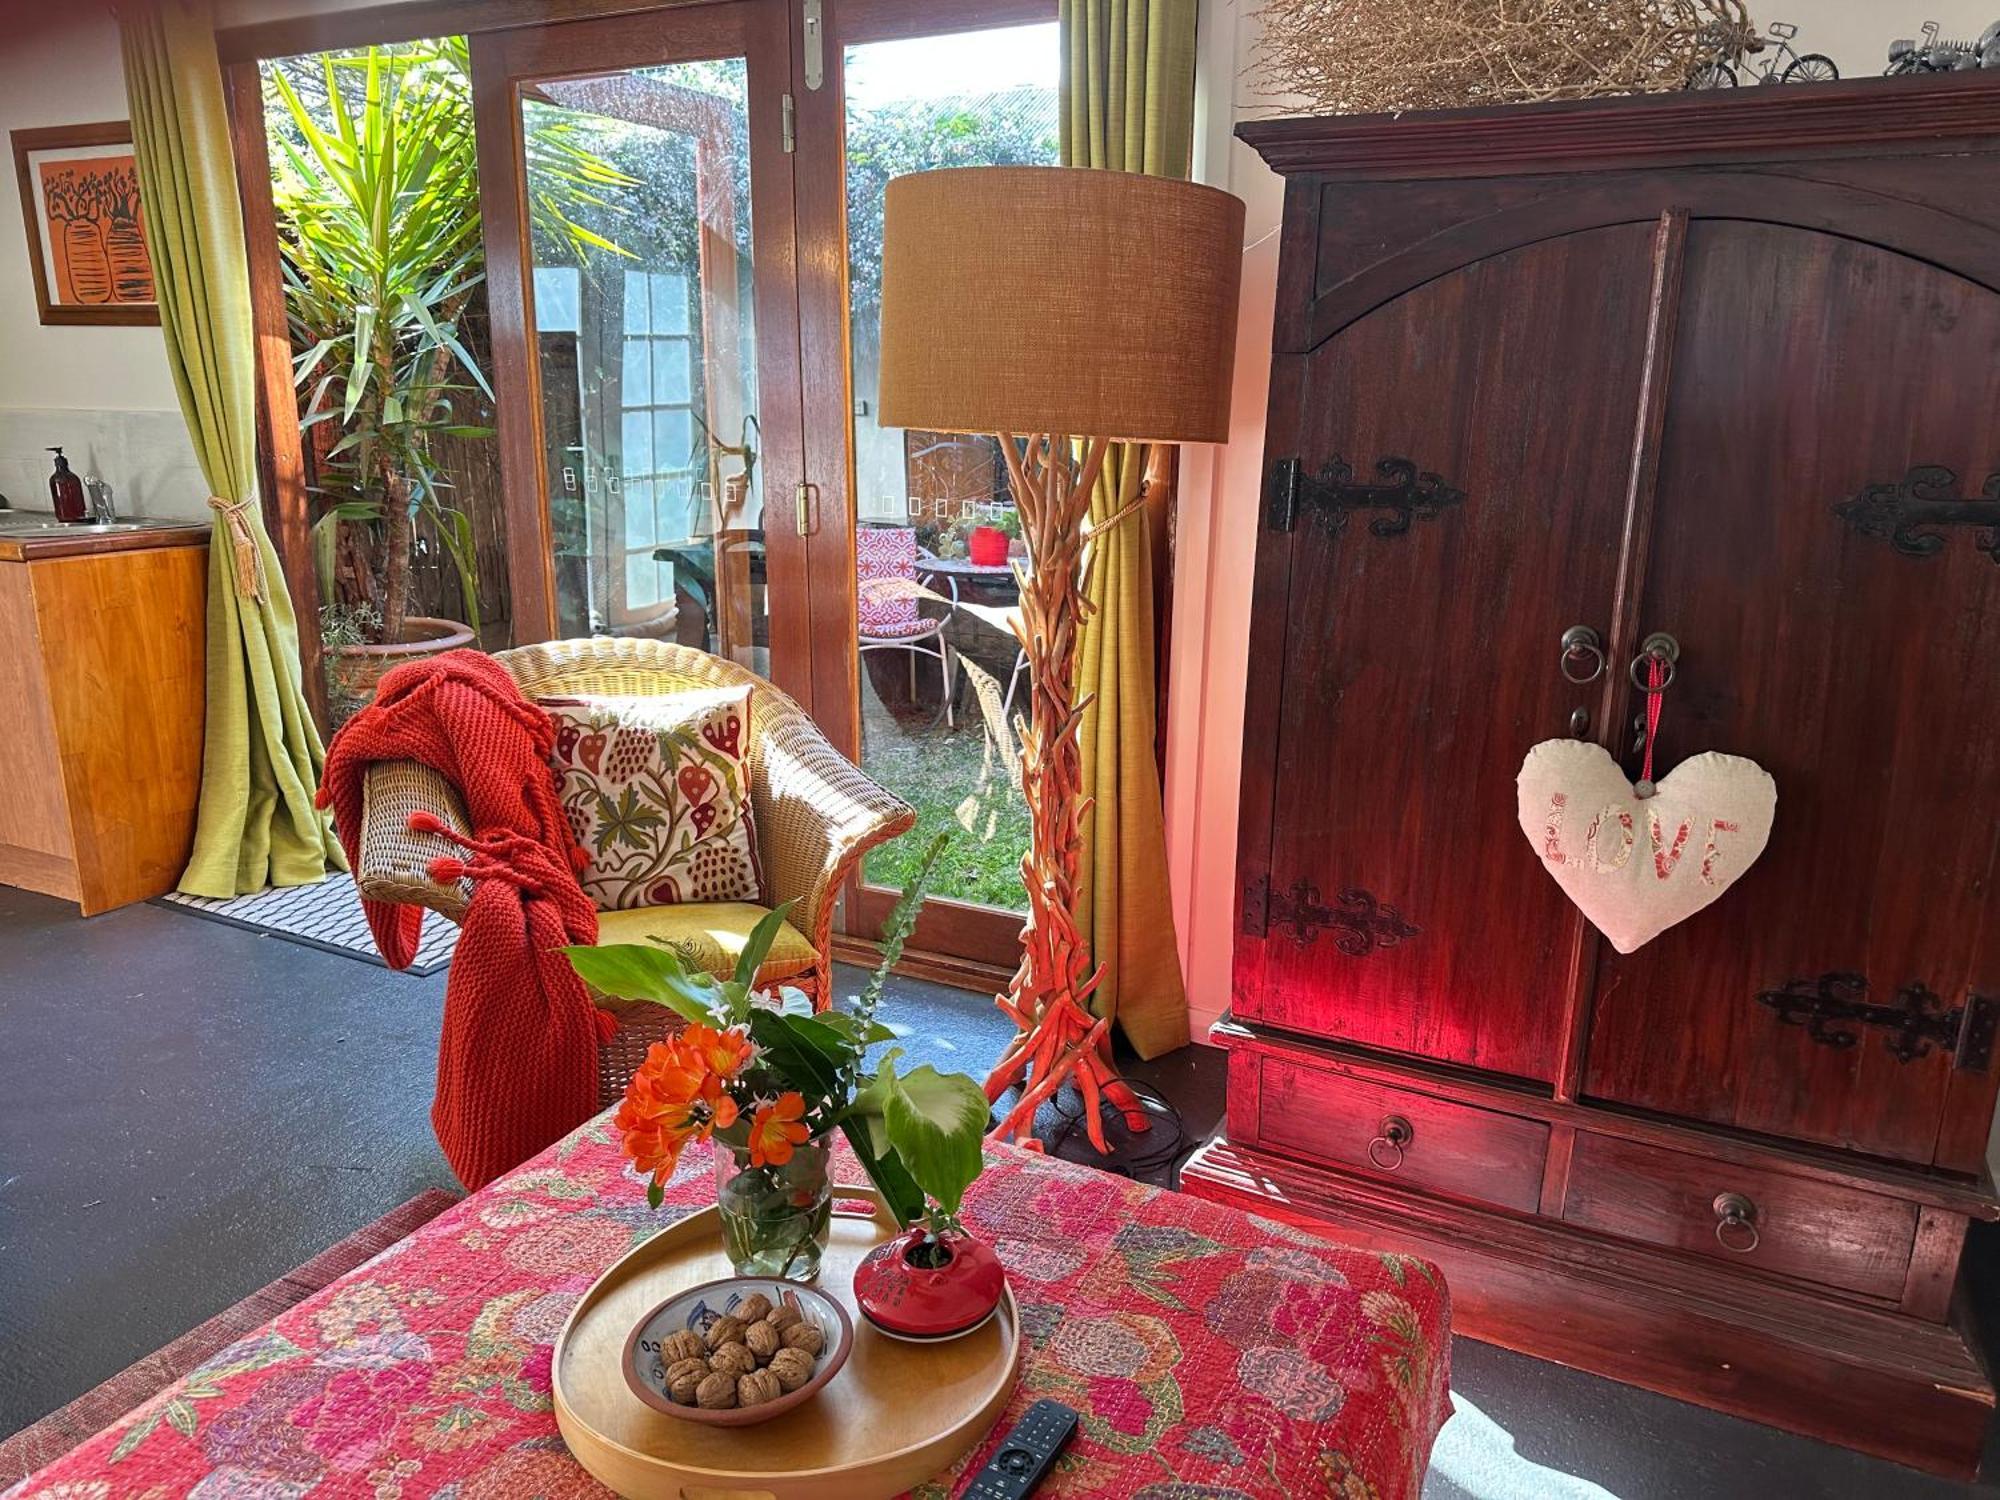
[249,562]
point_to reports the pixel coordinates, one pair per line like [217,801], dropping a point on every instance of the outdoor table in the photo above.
[1210,1352]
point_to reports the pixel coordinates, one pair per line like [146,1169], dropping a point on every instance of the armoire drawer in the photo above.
[1794,1226]
[1458,1150]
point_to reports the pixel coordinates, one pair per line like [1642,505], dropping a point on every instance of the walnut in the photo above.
[717,1391]
[757,1387]
[763,1339]
[806,1336]
[724,1331]
[753,1308]
[684,1376]
[676,1347]
[792,1367]
[733,1359]
[784,1317]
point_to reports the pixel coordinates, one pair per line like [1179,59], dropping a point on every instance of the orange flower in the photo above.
[722,1053]
[720,1056]
[658,1116]
[776,1129]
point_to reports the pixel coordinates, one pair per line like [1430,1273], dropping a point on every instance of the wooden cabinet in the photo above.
[1726,368]
[101,665]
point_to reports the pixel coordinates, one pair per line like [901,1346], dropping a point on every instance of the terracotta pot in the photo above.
[356,669]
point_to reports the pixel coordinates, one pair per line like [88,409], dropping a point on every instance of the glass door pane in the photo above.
[655,338]
[936,539]
[645,326]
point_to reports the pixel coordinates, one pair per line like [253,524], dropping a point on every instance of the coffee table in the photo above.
[1211,1352]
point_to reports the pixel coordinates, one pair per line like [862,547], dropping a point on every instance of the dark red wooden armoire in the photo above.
[1549,380]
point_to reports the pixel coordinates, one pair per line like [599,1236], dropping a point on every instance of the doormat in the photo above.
[326,916]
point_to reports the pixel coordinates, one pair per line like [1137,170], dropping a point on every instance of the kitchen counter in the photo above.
[102,636]
[27,535]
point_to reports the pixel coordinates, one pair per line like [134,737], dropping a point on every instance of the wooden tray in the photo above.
[896,1415]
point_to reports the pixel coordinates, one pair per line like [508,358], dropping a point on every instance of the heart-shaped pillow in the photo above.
[1637,865]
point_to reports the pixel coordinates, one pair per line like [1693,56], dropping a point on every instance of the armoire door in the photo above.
[1465,450]
[1826,551]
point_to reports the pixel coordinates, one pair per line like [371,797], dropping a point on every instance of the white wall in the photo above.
[1216,536]
[104,394]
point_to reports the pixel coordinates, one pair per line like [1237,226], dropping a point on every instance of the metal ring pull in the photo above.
[1582,649]
[1735,1223]
[1395,1134]
[1657,647]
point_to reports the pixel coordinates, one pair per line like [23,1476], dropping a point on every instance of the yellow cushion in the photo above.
[710,935]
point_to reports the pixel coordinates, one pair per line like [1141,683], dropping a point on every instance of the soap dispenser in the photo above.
[67,491]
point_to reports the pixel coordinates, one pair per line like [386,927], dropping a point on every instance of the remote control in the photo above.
[1025,1454]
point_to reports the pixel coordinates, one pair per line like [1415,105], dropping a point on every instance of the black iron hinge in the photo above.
[1833,1006]
[1360,924]
[1402,493]
[1257,906]
[1908,514]
[1281,506]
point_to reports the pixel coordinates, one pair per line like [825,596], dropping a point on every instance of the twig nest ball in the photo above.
[676,1347]
[733,1359]
[791,1368]
[753,1308]
[782,1318]
[684,1378]
[757,1387]
[717,1391]
[803,1336]
[764,1340]
[724,1331]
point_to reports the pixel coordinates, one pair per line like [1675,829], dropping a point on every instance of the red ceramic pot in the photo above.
[987,546]
[907,1297]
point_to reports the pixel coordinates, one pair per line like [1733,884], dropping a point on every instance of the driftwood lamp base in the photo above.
[1048,1000]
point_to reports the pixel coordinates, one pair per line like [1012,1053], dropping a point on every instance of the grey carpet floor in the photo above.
[188,1110]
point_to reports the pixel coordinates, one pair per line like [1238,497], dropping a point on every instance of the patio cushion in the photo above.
[710,935]
[884,555]
[657,790]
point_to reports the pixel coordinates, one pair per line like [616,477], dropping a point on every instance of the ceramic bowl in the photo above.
[697,1308]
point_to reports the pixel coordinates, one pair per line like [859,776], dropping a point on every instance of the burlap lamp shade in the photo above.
[1073,308]
[1055,299]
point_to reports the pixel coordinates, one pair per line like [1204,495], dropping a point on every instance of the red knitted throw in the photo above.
[517,1064]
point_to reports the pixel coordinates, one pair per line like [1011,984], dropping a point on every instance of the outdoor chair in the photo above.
[816,815]
[885,570]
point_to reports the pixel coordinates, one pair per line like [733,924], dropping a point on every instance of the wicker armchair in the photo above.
[816,815]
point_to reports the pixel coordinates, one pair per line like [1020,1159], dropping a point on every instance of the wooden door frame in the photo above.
[503,61]
[281,473]
[986,939]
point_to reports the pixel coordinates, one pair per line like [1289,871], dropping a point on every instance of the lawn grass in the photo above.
[955,779]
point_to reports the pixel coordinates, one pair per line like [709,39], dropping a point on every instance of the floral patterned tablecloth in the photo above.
[1213,1354]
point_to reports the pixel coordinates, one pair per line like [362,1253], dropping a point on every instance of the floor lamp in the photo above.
[1060,310]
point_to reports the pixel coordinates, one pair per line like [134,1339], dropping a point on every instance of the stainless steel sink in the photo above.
[27,523]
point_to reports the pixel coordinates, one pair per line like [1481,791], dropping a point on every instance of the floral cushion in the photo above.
[884,558]
[658,792]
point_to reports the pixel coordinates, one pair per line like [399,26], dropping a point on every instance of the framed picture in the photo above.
[86,232]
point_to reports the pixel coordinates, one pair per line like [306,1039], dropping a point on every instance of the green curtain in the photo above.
[1127,106]
[261,753]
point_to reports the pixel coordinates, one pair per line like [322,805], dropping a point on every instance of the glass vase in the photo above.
[775,1218]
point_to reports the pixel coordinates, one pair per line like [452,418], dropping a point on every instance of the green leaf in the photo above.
[900,1193]
[654,1194]
[640,971]
[797,1057]
[936,1122]
[758,944]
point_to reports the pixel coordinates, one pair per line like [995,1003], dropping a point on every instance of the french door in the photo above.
[683,224]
